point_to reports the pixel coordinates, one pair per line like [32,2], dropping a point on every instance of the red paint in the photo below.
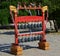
[29,19]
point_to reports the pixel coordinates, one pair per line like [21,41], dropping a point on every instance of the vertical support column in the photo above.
[16,29]
[15,48]
[43,44]
[16,32]
[43,35]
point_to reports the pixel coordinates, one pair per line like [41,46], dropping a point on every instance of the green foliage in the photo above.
[53,7]
[5,5]
[4,16]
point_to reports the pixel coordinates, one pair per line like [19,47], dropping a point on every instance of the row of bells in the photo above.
[30,25]
[29,39]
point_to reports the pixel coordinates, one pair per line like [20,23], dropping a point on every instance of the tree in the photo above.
[53,7]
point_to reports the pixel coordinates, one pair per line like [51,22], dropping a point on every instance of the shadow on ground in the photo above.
[6,47]
[8,33]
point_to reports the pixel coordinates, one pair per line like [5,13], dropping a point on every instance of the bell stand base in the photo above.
[44,45]
[16,49]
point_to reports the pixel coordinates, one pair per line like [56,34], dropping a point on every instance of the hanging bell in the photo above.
[26,40]
[19,26]
[32,38]
[38,37]
[20,40]
[35,38]
[24,26]
[29,25]
[38,25]
[35,25]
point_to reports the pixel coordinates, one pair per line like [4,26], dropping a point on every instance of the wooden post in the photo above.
[15,48]
[43,44]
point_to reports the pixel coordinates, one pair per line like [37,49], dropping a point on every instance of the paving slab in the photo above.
[29,48]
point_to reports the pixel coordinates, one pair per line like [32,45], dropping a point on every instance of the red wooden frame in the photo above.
[18,19]
[29,19]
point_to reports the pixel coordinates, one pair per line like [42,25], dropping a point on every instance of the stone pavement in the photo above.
[30,48]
